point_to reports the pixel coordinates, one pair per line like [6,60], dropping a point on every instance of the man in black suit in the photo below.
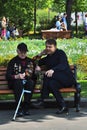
[57,75]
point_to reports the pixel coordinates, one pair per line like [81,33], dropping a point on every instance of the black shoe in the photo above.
[38,104]
[26,113]
[20,113]
[63,110]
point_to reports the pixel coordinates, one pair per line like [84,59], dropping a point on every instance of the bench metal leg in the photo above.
[77,97]
[24,91]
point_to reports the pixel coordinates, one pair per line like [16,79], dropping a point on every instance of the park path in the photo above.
[44,119]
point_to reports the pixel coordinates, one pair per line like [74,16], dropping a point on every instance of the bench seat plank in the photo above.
[67,90]
[8,91]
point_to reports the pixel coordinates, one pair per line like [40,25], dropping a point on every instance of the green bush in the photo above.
[44,19]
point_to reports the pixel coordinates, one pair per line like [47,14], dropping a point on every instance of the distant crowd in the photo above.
[61,23]
[7,29]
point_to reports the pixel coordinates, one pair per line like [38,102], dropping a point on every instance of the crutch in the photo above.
[23,91]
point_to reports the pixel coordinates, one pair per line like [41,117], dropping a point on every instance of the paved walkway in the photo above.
[44,119]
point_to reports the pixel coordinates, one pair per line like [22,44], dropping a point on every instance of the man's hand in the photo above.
[16,76]
[37,68]
[42,53]
[20,76]
[49,73]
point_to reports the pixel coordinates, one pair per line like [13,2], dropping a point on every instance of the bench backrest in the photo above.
[4,83]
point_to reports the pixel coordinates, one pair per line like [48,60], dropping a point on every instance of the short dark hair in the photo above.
[51,42]
[22,47]
[65,14]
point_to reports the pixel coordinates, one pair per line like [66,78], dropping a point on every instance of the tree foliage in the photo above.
[80,5]
[21,12]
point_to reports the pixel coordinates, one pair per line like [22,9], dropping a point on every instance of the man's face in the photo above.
[50,49]
[21,54]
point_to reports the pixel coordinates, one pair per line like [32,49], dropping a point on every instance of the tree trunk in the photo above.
[76,22]
[34,16]
[68,11]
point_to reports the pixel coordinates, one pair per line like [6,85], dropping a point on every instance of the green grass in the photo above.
[74,48]
[84,88]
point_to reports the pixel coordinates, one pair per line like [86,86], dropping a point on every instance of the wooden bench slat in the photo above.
[2,77]
[6,91]
[3,82]
[4,87]
[3,68]
[67,90]
[2,72]
[62,90]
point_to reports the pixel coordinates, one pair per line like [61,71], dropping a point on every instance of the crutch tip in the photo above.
[13,119]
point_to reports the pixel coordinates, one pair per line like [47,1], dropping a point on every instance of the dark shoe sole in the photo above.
[62,111]
[20,115]
[26,113]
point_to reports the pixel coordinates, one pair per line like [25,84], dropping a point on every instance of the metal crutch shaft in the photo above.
[24,91]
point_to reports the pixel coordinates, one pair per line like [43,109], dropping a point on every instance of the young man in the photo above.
[20,73]
[58,74]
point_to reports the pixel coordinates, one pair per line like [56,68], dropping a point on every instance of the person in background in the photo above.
[15,32]
[8,29]
[20,74]
[3,26]
[58,23]
[63,27]
[85,24]
[64,20]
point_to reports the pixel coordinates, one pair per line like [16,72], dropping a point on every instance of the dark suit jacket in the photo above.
[59,63]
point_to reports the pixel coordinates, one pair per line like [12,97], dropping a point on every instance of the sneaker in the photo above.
[63,110]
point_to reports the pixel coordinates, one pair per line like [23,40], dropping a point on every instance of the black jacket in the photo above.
[59,63]
[17,65]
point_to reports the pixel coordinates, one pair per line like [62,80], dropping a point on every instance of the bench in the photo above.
[71,89]
[46,34]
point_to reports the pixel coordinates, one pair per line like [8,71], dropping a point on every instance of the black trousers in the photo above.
[51,85]
[18,87]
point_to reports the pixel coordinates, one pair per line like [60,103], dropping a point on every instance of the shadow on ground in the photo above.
[41,115]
